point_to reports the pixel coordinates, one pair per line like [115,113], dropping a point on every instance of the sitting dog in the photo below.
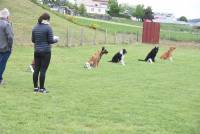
[168,54]
[95,59]
[151,55]
[119,57]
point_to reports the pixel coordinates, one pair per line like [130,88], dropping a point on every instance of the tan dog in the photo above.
[168,55]
[95,59]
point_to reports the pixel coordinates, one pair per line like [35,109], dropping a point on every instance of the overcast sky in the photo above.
[188,8]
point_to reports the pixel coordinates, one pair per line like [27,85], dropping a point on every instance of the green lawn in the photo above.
[164,26]
[139,98]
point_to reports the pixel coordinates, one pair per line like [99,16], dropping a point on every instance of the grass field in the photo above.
[139,98]
[172,32]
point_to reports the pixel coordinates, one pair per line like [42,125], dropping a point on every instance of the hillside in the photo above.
[24,15]
[194,20]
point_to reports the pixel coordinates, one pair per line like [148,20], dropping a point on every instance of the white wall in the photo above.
[93,6]
[96,10]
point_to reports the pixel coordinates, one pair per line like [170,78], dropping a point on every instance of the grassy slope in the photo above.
[173,32]
[24,15]
[164,26]
[139,98]
[111,27]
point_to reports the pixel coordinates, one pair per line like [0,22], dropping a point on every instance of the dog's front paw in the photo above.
[87,65]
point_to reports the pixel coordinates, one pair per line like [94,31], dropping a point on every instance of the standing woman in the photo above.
[6,40]
[42,37]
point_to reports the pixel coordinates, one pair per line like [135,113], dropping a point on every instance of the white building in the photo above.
[94,6]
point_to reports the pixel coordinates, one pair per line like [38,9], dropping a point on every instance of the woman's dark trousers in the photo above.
[42,60]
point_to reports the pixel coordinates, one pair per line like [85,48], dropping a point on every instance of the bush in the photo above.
[99,16]
[93,26]
[71,18]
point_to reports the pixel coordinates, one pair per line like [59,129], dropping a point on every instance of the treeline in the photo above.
[114,9]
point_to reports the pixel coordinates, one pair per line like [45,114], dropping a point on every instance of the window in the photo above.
[92,9]
[99,9]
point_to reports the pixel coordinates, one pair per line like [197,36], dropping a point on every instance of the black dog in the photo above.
[151,55]
[119,57]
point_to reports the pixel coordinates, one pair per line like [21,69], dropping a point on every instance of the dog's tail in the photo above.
[140,60]
[110,61]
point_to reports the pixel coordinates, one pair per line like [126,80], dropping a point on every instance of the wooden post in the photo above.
[115,38]
[106,36]
[123,38]
[81,38]
[137,36]
[198,37]
[94,39]
[67,41]
[169,36]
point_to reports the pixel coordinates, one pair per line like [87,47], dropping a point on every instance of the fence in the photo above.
[79,36]
[83,36]
[179,36]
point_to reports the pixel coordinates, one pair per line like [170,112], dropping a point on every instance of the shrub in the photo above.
[93,26]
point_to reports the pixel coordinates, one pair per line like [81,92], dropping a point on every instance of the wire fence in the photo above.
[83,37]
[80,36]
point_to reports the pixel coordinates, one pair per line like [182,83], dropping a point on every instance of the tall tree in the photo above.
[68,4]
[113,8]
[183,18]
[82,10]
[56,2]
[76,9]
[139,12]
[148,14]
[125,8]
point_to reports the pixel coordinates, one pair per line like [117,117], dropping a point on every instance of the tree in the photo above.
[183,18]
[139,12]
[148,14]
[126,9]
[45,1]
[56,2]
[76,9]
[70,5]
[113,8]
[82,10]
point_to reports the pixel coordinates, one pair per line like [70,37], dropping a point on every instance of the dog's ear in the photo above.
[124,51]
[103,48]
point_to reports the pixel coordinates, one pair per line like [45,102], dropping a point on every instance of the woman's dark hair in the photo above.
[44,16]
